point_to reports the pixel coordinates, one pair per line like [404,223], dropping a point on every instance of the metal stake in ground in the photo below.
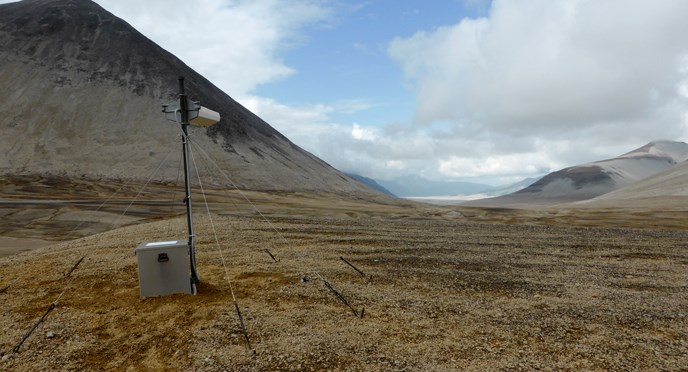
[7,286]
[343,300]
[354,267]
[50,308]
[271,256]
[75,266]
[40,320]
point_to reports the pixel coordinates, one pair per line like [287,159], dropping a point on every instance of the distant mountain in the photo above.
[81,97]
[370,183]
[410,186]
[667,189]
[511,188]
[590,180]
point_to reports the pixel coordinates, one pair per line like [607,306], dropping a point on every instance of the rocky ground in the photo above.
[440,292]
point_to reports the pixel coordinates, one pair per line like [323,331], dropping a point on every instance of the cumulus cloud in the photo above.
[538,65]
[395,150]
[360,133]
[586,72]
[534,86]
[236,44]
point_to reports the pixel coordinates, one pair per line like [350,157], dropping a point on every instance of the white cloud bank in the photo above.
[236,44]
[592,76]
[534,86]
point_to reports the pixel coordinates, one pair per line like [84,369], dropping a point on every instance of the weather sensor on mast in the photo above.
[162,265]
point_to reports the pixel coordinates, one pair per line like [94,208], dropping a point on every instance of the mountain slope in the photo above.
[81,96]
[370,183]
[512,188]
[590,180]
[662,190]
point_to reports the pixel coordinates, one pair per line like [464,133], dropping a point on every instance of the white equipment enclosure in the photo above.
[163,268]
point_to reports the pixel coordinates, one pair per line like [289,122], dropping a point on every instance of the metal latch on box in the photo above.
[162,257]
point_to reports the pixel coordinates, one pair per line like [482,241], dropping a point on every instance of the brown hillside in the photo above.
[82,94]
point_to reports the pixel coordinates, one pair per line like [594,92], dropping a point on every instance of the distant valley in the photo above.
[653,170]
[628,175]
[441,192]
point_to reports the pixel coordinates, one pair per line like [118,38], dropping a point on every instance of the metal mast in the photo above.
[184,110]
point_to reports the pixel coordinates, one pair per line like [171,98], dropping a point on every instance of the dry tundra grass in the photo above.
[441,292]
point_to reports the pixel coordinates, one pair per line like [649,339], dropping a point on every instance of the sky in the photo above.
[449,90]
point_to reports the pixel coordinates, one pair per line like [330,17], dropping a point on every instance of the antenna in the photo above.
[161,264]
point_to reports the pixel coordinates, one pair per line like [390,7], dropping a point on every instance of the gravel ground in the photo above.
[438,293]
